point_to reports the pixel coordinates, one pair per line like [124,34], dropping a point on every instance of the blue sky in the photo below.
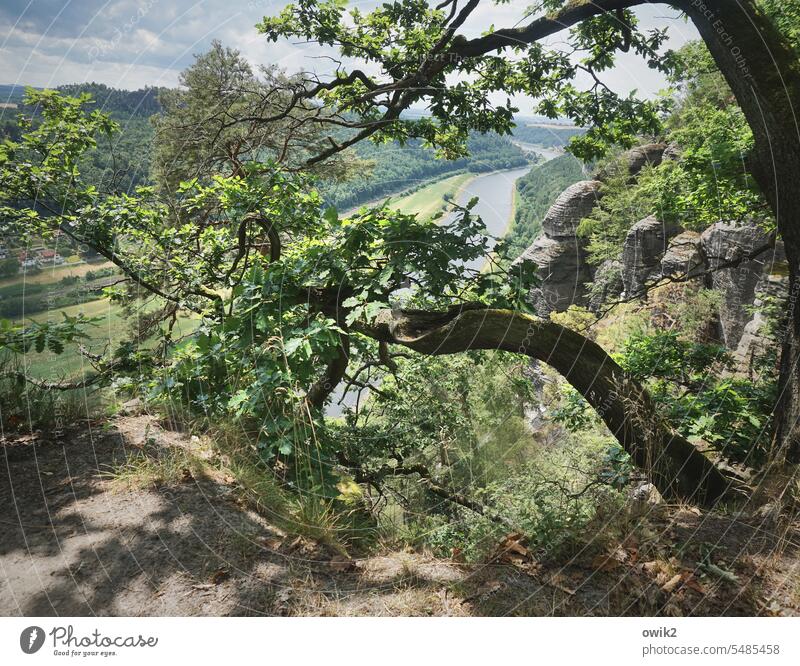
[132,43]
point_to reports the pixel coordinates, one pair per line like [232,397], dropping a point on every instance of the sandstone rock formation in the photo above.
[757,338]
[684,256]
[606,284]
[644,246]
[653,250]
[635,160]
[724,243]
[559,254]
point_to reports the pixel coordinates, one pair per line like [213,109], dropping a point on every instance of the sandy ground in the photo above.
[73,543]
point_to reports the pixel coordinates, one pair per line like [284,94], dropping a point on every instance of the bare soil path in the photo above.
[73,543]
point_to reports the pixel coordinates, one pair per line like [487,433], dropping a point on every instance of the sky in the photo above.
[135,43]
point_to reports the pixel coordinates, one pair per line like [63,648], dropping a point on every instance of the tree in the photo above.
[417,51]
[213,123]
[290,295]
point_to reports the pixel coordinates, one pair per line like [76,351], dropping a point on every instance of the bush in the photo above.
[700,396]
[25,407]
[551,500]
[9,267]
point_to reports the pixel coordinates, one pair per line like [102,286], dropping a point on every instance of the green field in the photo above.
[111,328]
[430,199]
[55,274]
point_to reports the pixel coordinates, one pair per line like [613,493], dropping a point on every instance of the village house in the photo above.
[48,258]
[27,261]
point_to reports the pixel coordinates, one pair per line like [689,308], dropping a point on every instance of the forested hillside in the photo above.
[394,168]
[536,192]
[545,134]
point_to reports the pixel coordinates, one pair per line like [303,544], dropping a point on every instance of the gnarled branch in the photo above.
[675,466]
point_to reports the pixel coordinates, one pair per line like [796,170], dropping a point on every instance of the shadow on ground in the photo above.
[71,543]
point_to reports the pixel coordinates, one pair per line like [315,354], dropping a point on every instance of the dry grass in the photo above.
[142,470]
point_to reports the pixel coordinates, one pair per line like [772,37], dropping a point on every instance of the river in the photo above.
[495,192]
[547,153]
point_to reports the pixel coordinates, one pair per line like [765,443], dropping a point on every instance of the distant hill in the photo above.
[546,133]
[142,102]
[395,168]
[11,93]
[127,103]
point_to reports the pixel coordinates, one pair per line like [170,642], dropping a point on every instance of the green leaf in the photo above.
[331,215]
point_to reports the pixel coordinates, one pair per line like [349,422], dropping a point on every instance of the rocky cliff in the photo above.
[560,254]
[737,260]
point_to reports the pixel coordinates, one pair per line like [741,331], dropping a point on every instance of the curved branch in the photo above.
[542,27]
[676,467]
[334,373]
[89,382]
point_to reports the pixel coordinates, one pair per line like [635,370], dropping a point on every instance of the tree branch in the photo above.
[675,466]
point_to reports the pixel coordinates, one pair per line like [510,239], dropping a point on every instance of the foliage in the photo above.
[709,182]
[693,383]
[551,499]
[418,45]
[786,16]
[693,310]
[25,407]
[38,336]
[28,406]
[280,285]
[288,294]
[622,205]
[461,416]
[573,412]
[207,127]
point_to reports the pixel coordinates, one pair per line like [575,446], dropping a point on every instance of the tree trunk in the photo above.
[763,71]
[675,466]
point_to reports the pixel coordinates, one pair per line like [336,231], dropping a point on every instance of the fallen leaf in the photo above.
[651,567]
[511,550]
[672,583]
[605,562]
[692,583]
